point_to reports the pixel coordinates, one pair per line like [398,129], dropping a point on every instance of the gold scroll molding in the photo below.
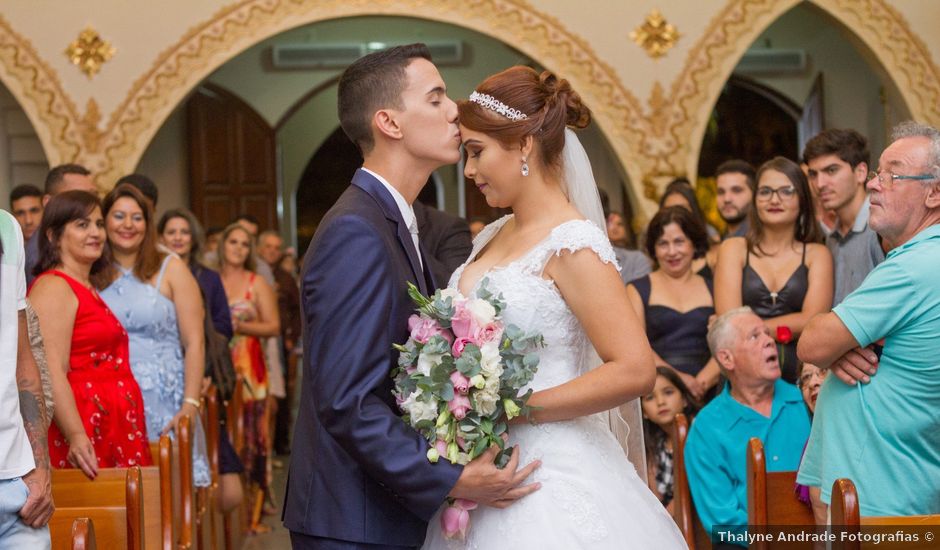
[243,24]
[37,88]
[678,119]
[652,141]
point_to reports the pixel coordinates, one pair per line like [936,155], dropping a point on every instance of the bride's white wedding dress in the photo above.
[591,496]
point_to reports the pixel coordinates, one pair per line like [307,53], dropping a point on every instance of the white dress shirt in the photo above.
[407,212]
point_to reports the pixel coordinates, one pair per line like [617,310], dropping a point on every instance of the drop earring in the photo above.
[525,167]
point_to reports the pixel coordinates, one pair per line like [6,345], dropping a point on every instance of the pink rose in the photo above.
[423,328]
[441,447]
[461,383]
[459,406]
[455,520]
[463,323]
[459,345]
[491,332]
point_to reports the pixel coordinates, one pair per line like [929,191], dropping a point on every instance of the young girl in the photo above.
[669,397]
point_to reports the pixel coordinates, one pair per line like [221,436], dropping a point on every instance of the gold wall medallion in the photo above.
[89,51]
[655,35]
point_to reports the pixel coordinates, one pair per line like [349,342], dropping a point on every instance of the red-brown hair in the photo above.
[549,102]
[148,257]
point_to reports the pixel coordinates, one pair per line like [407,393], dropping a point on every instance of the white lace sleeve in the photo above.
[487,233]
[579,234]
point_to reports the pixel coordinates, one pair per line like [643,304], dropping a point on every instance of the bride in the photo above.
[557,273]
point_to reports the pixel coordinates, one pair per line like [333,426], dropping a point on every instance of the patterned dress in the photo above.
[156,357]
[106,394]
[248,358]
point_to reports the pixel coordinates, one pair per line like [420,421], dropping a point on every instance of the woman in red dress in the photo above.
[99,413]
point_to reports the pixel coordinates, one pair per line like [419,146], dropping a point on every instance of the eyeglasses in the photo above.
[808,376]
[765,193]
[887,179]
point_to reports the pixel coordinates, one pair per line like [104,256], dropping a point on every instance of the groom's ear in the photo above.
[386,123]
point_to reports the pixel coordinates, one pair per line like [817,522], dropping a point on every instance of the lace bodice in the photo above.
[533,303]
[591,496]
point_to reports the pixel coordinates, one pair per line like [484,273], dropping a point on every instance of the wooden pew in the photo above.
[771,499]
[113,502]
[177,516]
[846,512]
[208,524]
[235,523]
[83,535]
[684,509]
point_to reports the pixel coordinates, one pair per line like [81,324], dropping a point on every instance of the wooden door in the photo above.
[232,163]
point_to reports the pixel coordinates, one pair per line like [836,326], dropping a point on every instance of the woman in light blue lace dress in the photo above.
[157,300]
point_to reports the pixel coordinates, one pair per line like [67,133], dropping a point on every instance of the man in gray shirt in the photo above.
[838,162]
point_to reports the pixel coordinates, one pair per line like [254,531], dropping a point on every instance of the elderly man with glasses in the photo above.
[877,419]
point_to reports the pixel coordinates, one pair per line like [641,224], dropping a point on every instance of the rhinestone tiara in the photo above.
[493,104]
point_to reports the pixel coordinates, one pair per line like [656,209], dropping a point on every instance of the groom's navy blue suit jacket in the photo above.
[357,472]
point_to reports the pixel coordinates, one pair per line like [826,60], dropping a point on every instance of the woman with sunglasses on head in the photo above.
[779,269]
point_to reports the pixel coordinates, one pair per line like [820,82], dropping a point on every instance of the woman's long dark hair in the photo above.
[63,209]
[195,232]
[806,229]
[653,435]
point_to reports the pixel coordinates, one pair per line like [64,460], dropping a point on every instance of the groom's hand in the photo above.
[484,483]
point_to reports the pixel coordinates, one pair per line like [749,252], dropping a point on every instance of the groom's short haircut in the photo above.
[371,83]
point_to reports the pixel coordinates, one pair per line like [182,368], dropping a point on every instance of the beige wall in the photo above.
[852,82]
[652,112]
[22,159]
[283,98]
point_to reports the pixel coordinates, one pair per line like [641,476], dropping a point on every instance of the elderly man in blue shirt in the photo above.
[756,403]
[884,434]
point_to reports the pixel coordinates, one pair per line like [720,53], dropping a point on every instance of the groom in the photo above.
[359,477]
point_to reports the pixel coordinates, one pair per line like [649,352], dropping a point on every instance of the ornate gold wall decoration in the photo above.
[235,28]
[37,89]
[88,126]
[89,52]
[652,141]
[656,36]
[678,119]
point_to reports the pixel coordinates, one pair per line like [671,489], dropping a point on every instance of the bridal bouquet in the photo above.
[459,378]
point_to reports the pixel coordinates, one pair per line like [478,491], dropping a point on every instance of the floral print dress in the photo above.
[106,394]
[157,359]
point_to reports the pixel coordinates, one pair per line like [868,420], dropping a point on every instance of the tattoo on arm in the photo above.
[32,405]
[34,419]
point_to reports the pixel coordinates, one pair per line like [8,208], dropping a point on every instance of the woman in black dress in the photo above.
[779,269]
[674,302]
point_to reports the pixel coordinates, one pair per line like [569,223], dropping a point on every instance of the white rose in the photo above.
[483,312]
[419,410]
[485,401]
[490,361]
[492,384]
[426,361]
[450,293]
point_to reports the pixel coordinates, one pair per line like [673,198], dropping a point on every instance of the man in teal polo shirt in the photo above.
[755,404]
[884,435]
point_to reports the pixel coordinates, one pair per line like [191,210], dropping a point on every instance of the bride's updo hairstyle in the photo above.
[549,103]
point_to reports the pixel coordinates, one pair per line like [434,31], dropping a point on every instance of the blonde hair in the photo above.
[250,263]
